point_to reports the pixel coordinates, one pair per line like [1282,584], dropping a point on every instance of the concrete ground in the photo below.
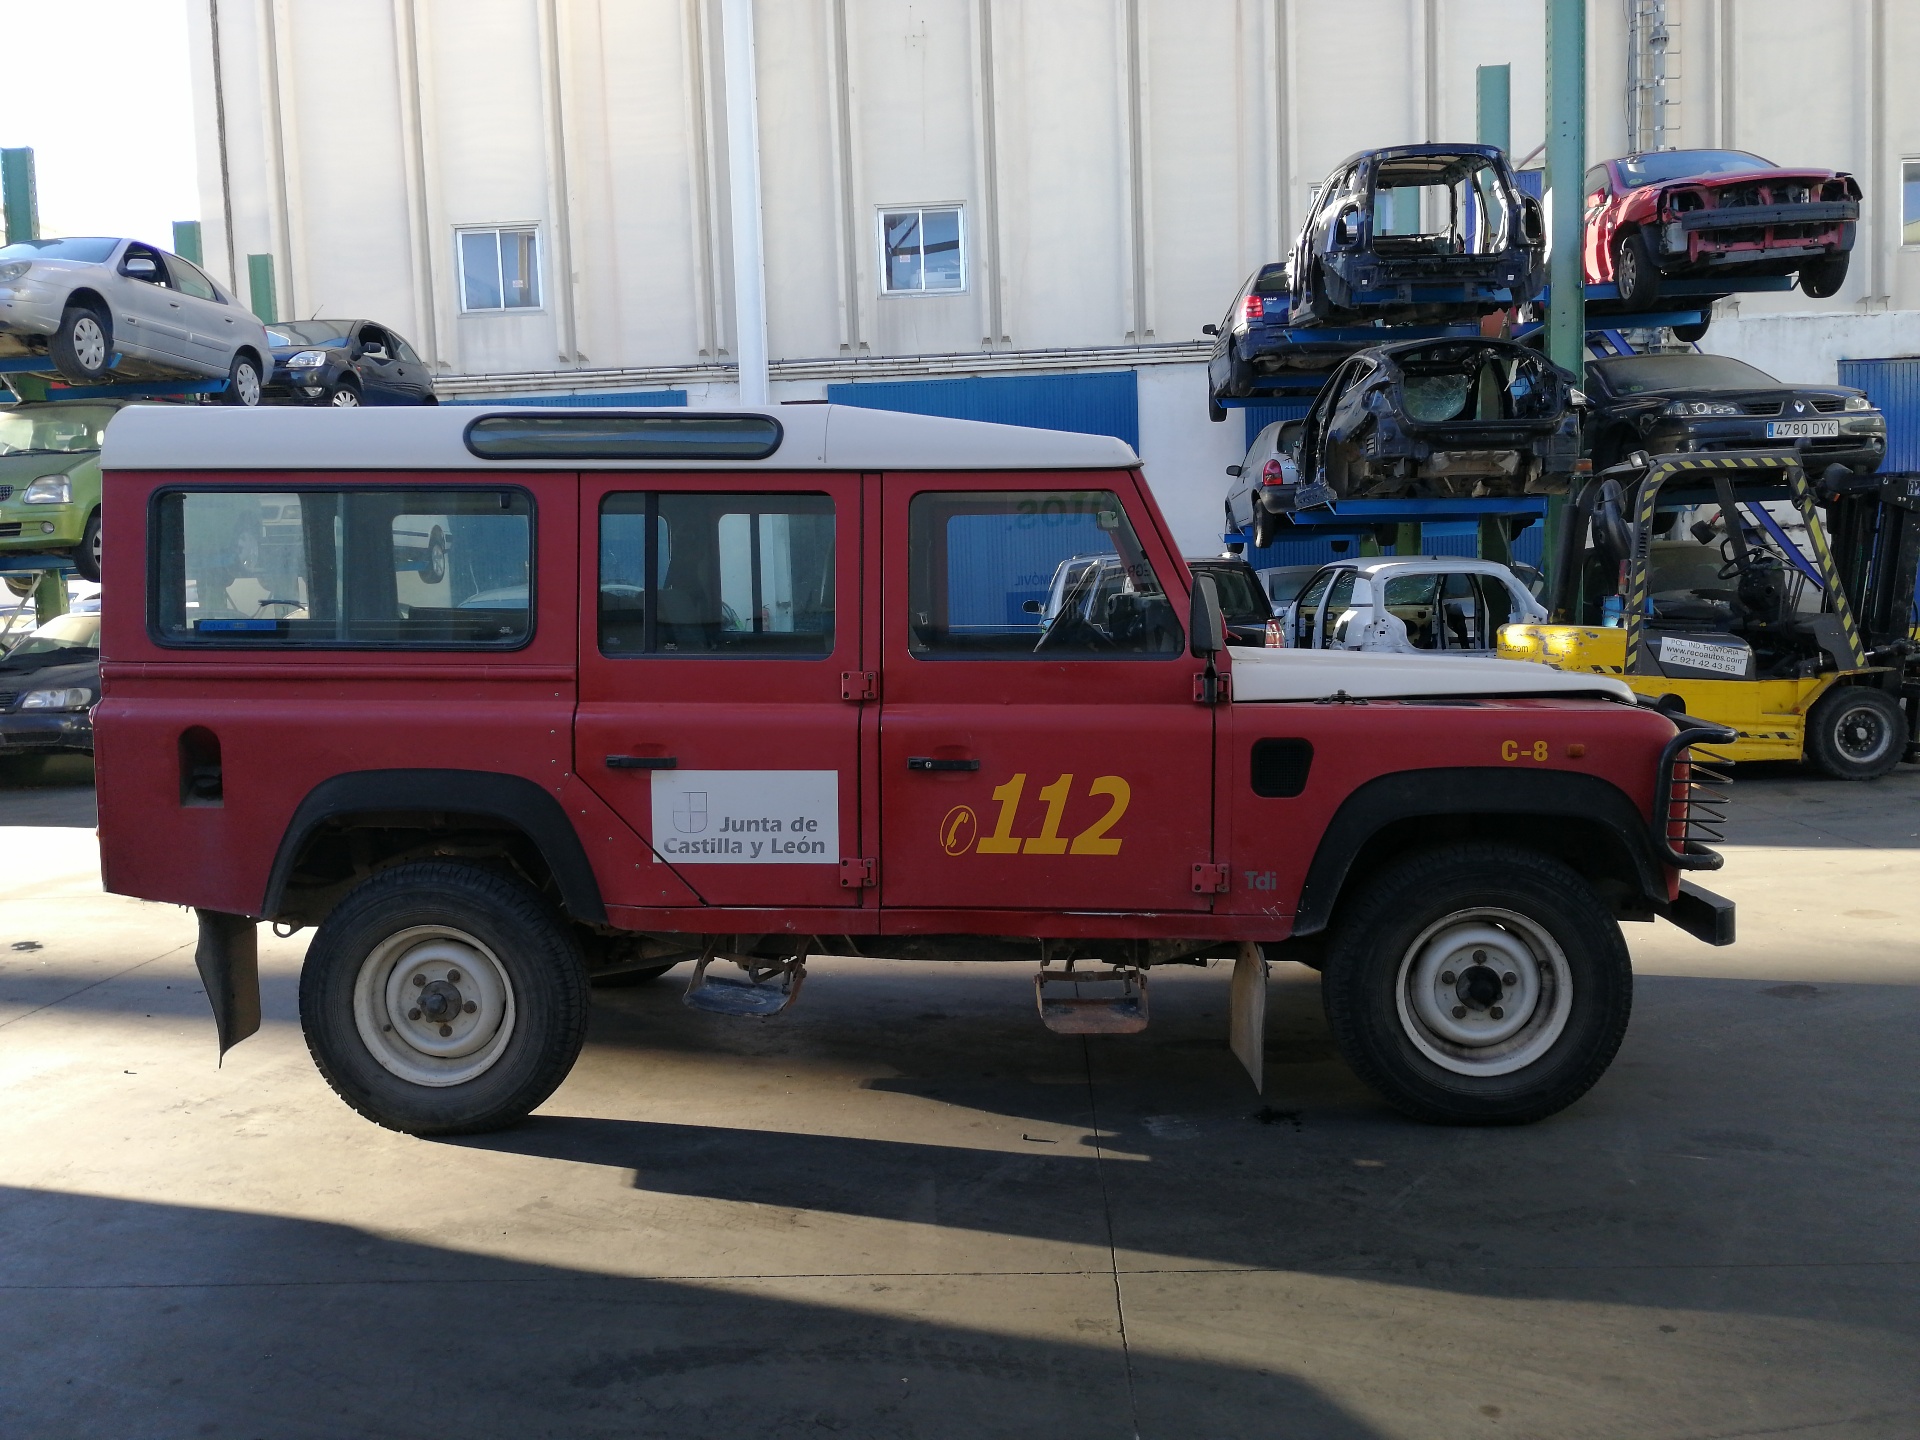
[907,1210]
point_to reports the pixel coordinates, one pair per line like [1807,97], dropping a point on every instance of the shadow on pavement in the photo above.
[122,1318]
[47,790]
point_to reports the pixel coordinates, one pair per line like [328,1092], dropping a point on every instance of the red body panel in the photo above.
[1779,246]
[1107,859]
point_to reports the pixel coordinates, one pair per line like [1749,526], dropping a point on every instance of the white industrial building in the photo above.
[538,192]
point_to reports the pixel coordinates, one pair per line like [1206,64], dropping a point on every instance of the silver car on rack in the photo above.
[101,309]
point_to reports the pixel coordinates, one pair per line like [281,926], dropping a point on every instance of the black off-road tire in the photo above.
[534,949]
[1855,732]
[1382,935]
[86,555]
[81,353]
[1634,272]
[1823,278]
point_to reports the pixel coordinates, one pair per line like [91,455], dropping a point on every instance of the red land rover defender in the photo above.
[500,702]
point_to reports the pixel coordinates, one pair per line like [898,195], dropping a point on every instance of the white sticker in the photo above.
[747,817]
[1727,659]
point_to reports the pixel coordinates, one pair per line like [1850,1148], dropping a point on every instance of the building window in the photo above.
[500,269]
[1910,202]
[922,251]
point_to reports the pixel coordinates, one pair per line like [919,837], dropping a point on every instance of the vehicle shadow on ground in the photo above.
[121,1317]
[47,790]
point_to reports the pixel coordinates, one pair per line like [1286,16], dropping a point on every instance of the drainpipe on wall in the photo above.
[743,177]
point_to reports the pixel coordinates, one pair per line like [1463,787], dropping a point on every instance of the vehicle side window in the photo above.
[1497,601]
[1596,182]
[1032,574]
[431,569]
[702,575]
[405,351]
[189,281]
[1339,600]
[374,343]
[1414,598]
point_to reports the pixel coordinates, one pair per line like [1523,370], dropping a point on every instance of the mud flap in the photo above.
[228,957]
[1247,1022]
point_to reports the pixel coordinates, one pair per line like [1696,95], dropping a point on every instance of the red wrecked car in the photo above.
[1714,213]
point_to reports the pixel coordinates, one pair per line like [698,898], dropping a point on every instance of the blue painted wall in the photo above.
[1894,386]
[1102,404]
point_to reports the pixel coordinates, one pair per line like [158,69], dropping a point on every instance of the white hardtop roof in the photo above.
[1419,564]
[433,437]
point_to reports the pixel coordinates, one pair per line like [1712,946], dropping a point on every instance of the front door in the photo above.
[1041,747]
[718,614]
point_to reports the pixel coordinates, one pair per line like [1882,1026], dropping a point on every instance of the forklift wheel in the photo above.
[1856,733]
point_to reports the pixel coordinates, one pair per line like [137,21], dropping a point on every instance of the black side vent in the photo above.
[1280,767]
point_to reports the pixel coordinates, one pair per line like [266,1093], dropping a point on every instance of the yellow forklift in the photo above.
[1733,621]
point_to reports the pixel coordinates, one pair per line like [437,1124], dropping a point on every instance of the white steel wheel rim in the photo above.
[1855,727]
[246,383]
[1484,992]
[89,343]
[419,982]
[344,397]
[96,547]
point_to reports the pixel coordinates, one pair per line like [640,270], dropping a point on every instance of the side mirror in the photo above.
[1209,329]
[1233,469]
[141,268]
[1206,625]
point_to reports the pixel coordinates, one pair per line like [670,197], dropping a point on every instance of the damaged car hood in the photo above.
[1322,674]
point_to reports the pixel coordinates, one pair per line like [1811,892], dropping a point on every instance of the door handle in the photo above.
[642,762]
[927,762]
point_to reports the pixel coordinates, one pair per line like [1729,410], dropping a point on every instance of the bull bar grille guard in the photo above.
[1690,799]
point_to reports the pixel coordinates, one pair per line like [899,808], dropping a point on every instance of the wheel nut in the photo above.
[1447,977]
[446,1029]
[1509,978]
[1479,957]
[1459,1012]
[470,1007]
[419,981]
[1496,1012]
[453,976]
[413,1014]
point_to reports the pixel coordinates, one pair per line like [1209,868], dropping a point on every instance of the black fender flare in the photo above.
[511,798]
[1476,792]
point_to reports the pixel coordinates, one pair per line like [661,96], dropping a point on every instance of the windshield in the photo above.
[1240,598]
[63,632]
[92,251]
[1639,374]
[310,332]
[1685,164]
[66,429]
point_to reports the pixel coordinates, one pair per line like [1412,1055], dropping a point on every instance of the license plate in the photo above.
[1803,429]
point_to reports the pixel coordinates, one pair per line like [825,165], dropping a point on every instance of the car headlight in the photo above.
[75,698]
[15,270]
[307,359]
[49,490]
[1858,402]
[1701,407]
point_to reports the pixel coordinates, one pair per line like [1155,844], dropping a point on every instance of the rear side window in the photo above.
[1045,575]
[430,569]
[698,574]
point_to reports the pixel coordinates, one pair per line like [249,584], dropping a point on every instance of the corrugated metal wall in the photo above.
[1892,384]
[1107,403]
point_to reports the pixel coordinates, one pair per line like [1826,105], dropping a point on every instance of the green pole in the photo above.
[260,289]
[186,240]
[49,596]
[1566,174]
[19,196]
[1493,125]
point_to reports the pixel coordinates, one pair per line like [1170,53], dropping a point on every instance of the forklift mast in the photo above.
[1873,525]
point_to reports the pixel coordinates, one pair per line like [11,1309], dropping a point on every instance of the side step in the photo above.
[1101,1002]
[769,988]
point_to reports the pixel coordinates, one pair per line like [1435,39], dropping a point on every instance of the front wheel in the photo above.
[1855,733]
[344,396]
[1823,278]
[83,345]
[1482,985]
[86,556]
[443,999]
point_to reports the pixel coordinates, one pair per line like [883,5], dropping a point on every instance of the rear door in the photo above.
[1038,750]
[718,614]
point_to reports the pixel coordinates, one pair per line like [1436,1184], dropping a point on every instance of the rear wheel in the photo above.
[243,382]
[1266,528]
[86,556]
[1483,985]
[83,345]
[1634,272]
[1823,278]
[1854,733]
[443,999]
